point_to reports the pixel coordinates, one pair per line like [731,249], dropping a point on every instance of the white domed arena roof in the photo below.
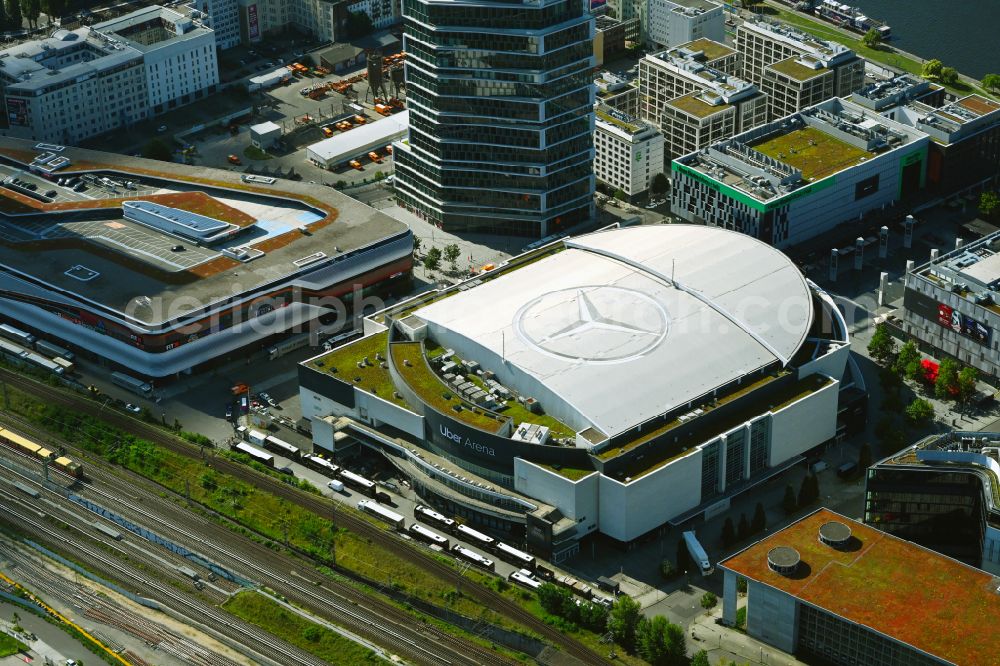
[624,325]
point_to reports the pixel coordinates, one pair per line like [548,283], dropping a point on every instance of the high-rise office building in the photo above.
[501,115]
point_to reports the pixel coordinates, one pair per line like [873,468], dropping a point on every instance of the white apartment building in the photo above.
[222,16]
[627,152]
[675,22]
[383,13]
[82,83]
[322,18]
[178,54]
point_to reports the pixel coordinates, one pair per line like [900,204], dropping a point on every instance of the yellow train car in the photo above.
[31,449]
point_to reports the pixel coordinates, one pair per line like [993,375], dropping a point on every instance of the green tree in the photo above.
[809,490]
[700,658]
[789,503]
[949,76]
[708,600]
[157,149]
[872,39]
[209,481]
[991,82]
[31,9]
[313,633]
[620,195]
[54,8]
[907,360]
[967,380]
[728,533]
[432,259]
[946,384]
[14,18]
[661,643]
[743,527]
[759,520]
[660,181]
[865,457]
[553,598]
[882,346]
[451,254]
[920,411]
[989,202]
[623,621]
[416,243]
[932,69]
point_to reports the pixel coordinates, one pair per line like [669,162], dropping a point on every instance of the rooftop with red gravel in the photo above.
[892,586]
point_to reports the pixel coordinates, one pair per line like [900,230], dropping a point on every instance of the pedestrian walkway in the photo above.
[724,643]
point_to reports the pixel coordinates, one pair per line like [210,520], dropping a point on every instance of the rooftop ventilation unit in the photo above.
[834,534]
[783,560]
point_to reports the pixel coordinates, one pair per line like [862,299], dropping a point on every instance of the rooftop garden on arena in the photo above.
[571,473]
[510,408]
[409,361]
[814,152]
[370,376]
[913,594]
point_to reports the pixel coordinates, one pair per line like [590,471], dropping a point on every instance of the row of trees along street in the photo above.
[904,372]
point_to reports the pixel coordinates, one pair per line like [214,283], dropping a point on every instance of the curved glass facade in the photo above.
[501,115]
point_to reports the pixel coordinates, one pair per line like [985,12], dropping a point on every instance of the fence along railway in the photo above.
[318,505]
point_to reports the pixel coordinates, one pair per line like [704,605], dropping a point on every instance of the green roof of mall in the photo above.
[812,151]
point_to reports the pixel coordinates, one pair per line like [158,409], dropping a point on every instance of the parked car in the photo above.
[135,409]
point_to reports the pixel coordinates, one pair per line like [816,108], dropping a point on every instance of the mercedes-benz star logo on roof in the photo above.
[595,324]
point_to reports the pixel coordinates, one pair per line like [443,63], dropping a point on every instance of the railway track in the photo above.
[351,608]
[275,650]
[317,504]
[246,558]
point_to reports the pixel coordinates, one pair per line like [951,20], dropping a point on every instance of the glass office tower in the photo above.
[501,101]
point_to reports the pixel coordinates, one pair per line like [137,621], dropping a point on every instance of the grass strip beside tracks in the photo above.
[289,626]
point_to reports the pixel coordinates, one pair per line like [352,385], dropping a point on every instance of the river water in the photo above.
[960,33]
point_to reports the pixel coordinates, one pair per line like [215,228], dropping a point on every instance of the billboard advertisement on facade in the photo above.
[963,324]
[17,111]
[253,24]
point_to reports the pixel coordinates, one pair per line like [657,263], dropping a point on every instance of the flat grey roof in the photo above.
[603,317]
[135,265]
[349,143]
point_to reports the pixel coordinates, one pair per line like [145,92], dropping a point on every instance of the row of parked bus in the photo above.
[36,451]
[484,541]
[18,345]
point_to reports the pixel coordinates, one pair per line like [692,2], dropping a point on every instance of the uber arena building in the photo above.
[616,383]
